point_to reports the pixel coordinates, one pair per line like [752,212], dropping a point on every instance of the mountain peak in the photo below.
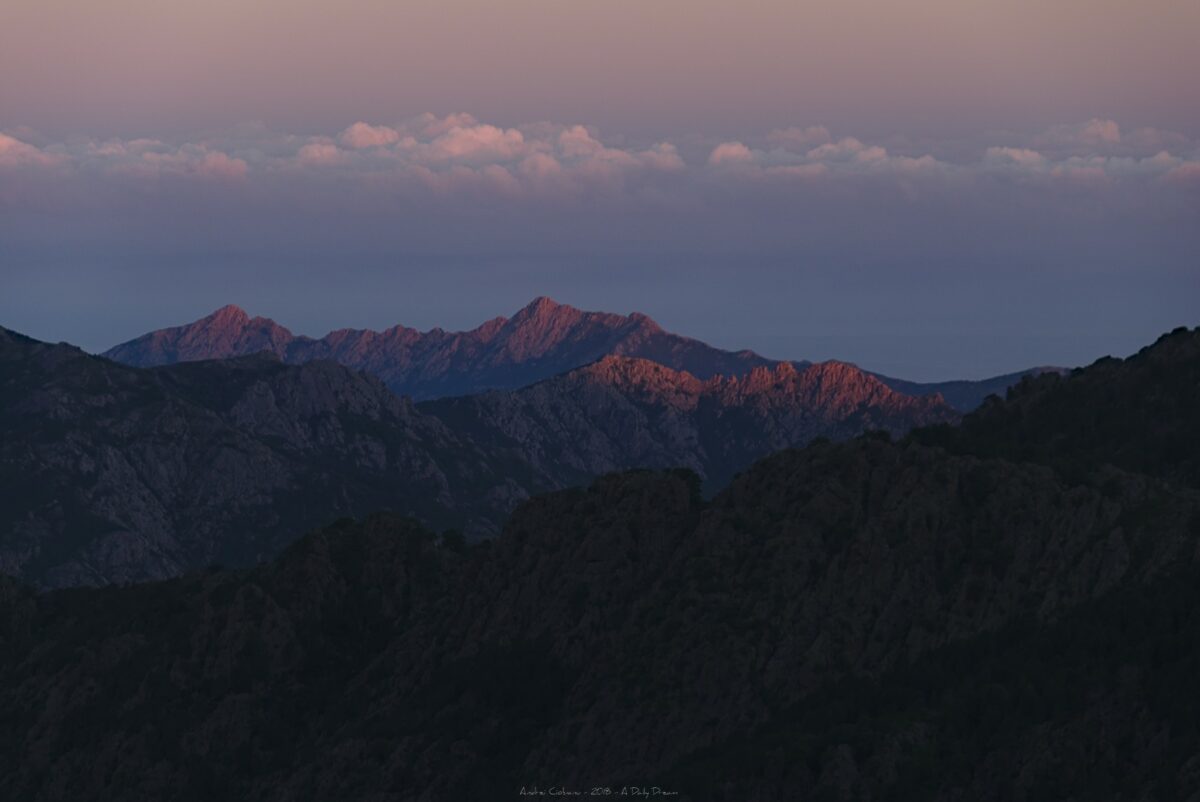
[644,322]
[543,311]
[543,339]
[230,313]
[227,332]
[541,306]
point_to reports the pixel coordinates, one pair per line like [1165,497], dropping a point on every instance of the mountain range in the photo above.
[115,474]
[1005,609]
[112,473]
[618,413]
[542,340]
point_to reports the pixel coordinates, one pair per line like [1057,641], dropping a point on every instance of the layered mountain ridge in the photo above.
[114,474]
[621,412]
[872,619]
[542,340]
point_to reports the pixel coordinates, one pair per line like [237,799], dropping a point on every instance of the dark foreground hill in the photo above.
[112,474]
[865,620]
[966,395]
[1139,414]
[542,340]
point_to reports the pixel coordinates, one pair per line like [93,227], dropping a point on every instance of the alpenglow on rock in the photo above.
[542,340]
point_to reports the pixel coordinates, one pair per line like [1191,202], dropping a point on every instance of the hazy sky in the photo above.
[930,188]
[656,67]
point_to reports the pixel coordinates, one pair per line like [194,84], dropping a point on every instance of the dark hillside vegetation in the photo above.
[872,619]
[112,474]
[1138,414]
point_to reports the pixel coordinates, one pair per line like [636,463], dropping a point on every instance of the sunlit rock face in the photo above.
[622,412]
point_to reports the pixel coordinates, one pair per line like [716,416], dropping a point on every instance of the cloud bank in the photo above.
[453,182]
[457,153]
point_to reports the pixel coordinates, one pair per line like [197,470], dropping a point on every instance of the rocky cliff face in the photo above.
[863,620]
[620,413]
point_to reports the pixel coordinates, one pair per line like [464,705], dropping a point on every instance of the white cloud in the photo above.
[15,153]
[475,144]
[364,135]
[847,149]
[845,156]
[731,153]
[1187,173]
[152,158]
[1094,135]
[1100,131]
[320,153]
[1020,158]
[1093,169]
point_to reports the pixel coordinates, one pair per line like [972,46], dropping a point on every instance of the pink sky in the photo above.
[647,67]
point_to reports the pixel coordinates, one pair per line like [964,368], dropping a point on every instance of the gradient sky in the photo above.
[931,188]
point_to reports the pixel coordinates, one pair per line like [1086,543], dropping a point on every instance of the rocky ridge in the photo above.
[542,340]
[621,412]
[115,474]
[118,474]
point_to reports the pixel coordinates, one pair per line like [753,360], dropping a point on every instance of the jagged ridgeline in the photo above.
[541,340]
[1004,611]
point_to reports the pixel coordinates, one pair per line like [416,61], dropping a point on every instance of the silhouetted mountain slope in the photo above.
[1139,414]
[116,474]
[1095,706]
[621,413]
[541,340]
[630,634]
[965,394]
[863,620]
